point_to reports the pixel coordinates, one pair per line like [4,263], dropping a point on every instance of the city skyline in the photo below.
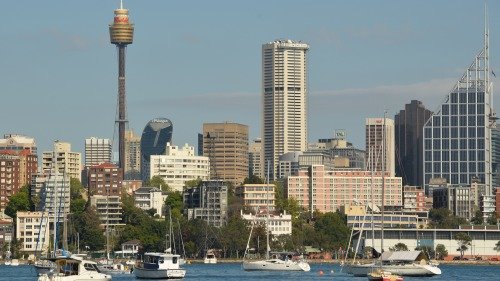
[397,51]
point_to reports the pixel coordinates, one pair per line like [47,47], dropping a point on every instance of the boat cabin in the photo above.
[158,261]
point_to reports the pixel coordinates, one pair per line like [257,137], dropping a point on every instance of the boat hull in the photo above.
[210,261]
[159,273]
[86,277]
[417,270]
[275,265]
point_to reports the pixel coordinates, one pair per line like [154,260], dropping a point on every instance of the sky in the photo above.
[200,61]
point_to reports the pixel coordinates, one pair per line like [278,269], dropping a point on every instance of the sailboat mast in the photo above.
[267,217]
[383,185]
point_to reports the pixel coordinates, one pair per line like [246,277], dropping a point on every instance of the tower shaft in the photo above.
[122,116]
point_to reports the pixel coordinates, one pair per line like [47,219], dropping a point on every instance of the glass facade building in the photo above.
[458,137]
[154,139]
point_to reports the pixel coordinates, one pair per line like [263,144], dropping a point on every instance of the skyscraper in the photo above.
[409,124]
[132,170]
[121,34]
[457,138]
[284,102]
[97,151]
[255,163]
[226,145]
[378,129]
[154,139]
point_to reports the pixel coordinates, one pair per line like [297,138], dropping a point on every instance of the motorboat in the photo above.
[14,262]
[74,268]
[44,266]
[159,266]
[109,267]
[210,257]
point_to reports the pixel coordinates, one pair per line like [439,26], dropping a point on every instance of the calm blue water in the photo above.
[233,271]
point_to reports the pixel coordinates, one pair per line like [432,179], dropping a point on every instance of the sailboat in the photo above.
[280,261]
[400,263]
[160,265]
[380,274]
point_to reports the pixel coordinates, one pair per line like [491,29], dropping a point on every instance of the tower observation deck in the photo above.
[121,33]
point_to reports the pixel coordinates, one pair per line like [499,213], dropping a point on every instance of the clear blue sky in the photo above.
[200,61]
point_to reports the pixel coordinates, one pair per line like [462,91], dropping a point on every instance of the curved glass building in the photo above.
[154,139]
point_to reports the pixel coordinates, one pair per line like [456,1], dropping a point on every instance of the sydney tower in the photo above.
[121,33]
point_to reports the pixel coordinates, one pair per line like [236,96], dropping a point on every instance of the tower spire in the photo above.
[121,4]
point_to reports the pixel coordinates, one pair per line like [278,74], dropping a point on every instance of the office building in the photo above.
[17,143]
[409,124]
[495,157]
[340,149]
[284,100]
[62,160]
[380,134]
[458,136]
[179,165]
[154,139]
[132,168]
[226,145]
[329,191]
[255,160]
[208,202]
[97,151]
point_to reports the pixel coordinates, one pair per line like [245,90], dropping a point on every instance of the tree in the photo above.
[20,201]
[400,247]
[76,189]
[157,181]
[497,246]
[477,219]
[428,251]
[441,252]
[253,179]
[331,230]
[443,218]
[464,241]
[192,183]
[175,203]
[492,219]
[89,229]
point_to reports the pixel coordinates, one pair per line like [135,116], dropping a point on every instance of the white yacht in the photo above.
[109,267]
[405,263]
[210,257]
[277,262]
[159,266]
[74,268]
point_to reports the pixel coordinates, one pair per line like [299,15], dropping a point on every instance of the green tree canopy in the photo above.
[175,202]
[253,179]
[20,201]
[492,219]
[159,182]
[76,189]
[332,232]
[443,218]
[88,227]
[463,241]
[399,247]
[497,246]
[441,252]
[477,219]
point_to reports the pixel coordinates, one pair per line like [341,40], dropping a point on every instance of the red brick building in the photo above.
[105,179]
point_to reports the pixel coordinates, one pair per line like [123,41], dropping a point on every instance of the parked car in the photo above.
[493,259]
[457,258]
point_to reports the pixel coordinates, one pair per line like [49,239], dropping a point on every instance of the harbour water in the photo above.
[233,271]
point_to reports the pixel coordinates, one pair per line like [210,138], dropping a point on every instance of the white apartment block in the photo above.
[97,151]
[63,160]
[148,198]
[258,197]
[33,231]
[284,99]
[278,224]
[56,190]
[179,165]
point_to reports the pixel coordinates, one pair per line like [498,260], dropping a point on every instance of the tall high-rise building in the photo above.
[284,100]
[97,151]
[458,137]
[56,192]
[63,161]
[255,163]
[378,129]
[154,139]
[226,145]
[495,158]
[409,124]
[121,34]
[132,170]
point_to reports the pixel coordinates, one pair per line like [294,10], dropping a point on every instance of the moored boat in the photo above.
[159,266]
[74,268]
